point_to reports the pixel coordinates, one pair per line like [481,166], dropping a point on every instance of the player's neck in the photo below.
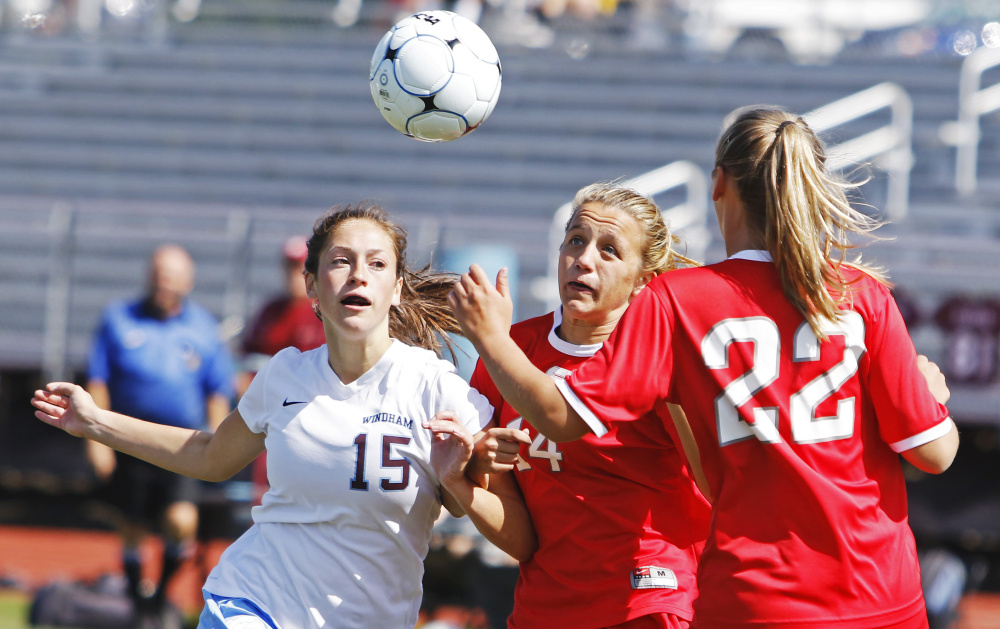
[580,332]
[350,360]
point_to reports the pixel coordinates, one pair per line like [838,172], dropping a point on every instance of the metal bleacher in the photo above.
[236,130]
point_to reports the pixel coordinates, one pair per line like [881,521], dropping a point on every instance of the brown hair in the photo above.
[798,210]
[658,249]
[423,317]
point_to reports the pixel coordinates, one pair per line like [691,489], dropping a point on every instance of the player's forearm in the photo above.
[179,450]
[476,473]
[501,519]
[530,391]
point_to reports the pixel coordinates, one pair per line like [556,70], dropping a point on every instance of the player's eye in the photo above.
[378,265]
[574,241]
[611,251]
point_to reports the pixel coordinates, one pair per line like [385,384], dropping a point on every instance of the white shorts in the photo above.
[223,612]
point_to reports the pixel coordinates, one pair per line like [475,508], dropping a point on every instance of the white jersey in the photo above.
[340,537]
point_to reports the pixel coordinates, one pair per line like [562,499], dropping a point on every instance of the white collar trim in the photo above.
[754,255]
[568,348]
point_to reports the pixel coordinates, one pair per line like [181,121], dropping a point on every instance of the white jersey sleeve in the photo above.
[452,393]
[254,404]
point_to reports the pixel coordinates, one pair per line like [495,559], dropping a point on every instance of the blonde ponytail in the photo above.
[798,210]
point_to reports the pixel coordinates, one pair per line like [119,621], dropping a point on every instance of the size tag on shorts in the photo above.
[651,577]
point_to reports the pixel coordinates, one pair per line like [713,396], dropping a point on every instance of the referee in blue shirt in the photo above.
[158,358]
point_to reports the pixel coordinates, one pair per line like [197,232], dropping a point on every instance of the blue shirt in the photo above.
[161,370]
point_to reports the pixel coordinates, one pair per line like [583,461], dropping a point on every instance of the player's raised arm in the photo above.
[484,312]
[196,453]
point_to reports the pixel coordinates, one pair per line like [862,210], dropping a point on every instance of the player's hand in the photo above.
[66,406]
[496,452]
[480,308]
[451,448]
[935,379]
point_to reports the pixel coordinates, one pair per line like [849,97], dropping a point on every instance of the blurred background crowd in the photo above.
[805,30]
[227,126]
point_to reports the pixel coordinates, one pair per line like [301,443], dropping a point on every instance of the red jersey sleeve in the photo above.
[908,415]
[482,382]
[631,372]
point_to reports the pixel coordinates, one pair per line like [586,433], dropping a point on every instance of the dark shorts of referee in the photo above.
[141,492]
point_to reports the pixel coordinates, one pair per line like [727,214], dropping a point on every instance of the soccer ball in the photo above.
[435,76]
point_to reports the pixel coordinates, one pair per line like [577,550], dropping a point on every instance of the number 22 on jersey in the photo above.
[764,334]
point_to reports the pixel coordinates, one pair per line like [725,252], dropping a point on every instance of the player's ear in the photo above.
[640,283]
[719,182]
[397,293]
[310,285]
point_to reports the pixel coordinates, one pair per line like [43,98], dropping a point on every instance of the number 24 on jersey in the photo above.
[535,450]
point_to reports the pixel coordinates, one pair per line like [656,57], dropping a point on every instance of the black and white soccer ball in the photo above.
[435,76]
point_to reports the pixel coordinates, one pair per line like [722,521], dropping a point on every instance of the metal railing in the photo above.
[974,101]
[890,144]
[691,217]
[56,326]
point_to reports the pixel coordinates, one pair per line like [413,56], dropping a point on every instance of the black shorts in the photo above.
[142,492]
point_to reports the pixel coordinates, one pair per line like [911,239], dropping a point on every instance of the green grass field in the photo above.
[13,610]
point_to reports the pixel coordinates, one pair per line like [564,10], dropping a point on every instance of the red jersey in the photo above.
[798,440]
[619,520]
[284,322]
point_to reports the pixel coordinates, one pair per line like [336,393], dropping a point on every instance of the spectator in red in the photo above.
[287,320]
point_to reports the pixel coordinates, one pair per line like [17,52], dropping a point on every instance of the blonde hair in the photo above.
[658,249]
[423,317]
[798,210]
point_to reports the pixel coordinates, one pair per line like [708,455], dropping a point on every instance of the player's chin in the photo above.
[580,306]
[356,325]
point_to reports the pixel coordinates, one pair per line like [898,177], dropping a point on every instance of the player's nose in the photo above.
[359,274]
[585,261]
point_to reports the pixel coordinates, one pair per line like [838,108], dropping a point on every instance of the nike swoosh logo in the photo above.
[287,403]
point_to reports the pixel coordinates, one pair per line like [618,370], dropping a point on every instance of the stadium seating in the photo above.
[239,128]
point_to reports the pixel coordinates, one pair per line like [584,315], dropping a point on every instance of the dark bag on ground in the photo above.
[100,605]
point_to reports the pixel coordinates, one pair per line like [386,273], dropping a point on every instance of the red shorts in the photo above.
[917,621]
[654,621]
